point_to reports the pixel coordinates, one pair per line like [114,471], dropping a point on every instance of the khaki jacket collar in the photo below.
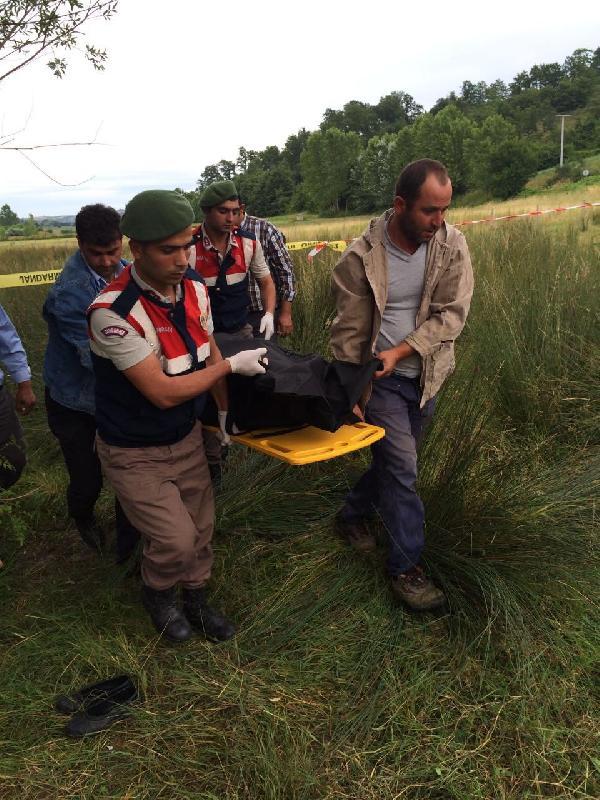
[375,263]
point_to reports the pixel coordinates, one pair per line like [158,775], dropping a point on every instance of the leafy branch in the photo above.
[30,29]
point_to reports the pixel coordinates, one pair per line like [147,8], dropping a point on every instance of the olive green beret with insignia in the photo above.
[217,193]
[156,214]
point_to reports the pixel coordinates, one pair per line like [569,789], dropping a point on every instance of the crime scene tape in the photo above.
[28,278]
[340,245]
[524,214]
[314,246]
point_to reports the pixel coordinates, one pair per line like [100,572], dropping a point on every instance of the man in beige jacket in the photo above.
[402,292]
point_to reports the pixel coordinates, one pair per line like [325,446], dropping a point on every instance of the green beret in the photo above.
[156,214]
[217,193]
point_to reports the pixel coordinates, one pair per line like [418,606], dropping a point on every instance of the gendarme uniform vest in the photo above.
[125,418]
[228,281]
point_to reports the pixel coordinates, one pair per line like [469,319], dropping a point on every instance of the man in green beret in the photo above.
[225,257]
[154,358]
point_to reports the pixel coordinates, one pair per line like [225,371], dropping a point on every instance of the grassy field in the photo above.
[330,690]
[310,228]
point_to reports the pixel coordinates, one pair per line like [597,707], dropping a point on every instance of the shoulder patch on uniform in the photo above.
[115,330]
[192,275]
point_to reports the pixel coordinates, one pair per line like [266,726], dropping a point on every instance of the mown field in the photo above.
[330,690]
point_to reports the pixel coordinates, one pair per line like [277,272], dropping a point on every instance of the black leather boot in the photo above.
[91,533]
[207,621]
[165,614]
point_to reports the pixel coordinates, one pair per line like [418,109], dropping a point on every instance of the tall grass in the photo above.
[330,690]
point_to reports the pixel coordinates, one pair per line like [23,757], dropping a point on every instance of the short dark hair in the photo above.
[414,175]
[98,225]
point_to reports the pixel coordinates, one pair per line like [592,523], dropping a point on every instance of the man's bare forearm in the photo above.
[167,392]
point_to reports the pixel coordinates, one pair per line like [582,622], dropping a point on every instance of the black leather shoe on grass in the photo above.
[206,620]
[417,591]
[99,714]
[69,704]
[356,533]
[165,614]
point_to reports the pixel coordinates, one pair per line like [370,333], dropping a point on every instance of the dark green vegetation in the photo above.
[491,137]
[329,690]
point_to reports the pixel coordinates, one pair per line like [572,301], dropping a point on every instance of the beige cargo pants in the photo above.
[166,493]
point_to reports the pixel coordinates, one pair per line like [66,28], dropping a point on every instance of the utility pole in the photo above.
[562,135]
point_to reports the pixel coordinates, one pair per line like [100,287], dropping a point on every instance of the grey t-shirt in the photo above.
[406,274]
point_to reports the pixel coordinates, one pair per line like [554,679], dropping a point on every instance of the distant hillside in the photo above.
[492,137]
[66,221]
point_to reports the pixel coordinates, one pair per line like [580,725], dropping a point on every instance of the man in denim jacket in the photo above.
[68,372]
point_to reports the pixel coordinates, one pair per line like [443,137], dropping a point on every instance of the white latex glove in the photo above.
[267,325]
[223,436]
[246,362]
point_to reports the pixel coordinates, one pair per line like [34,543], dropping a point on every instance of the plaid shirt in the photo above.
[276,256]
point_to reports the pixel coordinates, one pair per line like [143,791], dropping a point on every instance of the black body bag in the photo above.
[295,391]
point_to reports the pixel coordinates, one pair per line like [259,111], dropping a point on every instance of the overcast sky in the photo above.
[189,82]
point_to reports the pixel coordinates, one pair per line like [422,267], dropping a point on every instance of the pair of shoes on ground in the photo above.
[178,624]
[413,587]
[97,706]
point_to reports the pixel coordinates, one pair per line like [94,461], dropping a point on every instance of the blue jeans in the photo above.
[388,487]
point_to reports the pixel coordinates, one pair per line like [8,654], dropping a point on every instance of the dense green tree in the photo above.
[266,192]
[226,170]
[209,175]
[379,166]
[446,137]
[244,159]
[496,91]
[7,216]
[395,110]
[356,117]
[543,75]
[500,160]
[194,199]
[474,94]
[374,173]
[292,151]
[328,161]
[578,64]
[269,158]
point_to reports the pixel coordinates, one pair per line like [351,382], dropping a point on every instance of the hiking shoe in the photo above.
[356,533]
[417,591]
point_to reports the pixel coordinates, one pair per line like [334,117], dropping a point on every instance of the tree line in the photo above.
[492,137]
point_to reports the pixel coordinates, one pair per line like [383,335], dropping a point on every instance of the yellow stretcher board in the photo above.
[308,445]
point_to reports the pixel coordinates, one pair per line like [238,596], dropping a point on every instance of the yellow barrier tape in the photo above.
[34,278]
[28,278]
[339,245]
